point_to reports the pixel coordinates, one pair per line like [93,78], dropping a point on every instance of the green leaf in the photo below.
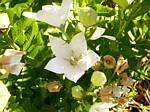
[143,8]
[104,10]
[18,30]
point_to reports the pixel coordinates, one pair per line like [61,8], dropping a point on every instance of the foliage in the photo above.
[28,90]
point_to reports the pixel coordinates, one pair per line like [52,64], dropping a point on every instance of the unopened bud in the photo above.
[87,16]
[54,86]
[96,66]
[98,78]
[109,62]
[77,92]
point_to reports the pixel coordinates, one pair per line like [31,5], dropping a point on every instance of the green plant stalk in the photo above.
[125,23]
[10,41]
[62,29]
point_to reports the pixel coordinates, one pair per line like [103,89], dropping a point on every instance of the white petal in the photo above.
[109,37]
[130,1]
[117,91]
[74,73]
[66,4]
[47,17]
[14,55]
[78,44]
[98,33]
[52,15]
[74,77]
[60,48]
[101,107]
[4,96]
[58,65]
[108,105]
[30,15]
[4,20]
[91,58]
[64,10]
[14,68]
[125,90]
[52,9]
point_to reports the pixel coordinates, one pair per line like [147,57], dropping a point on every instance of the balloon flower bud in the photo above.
[98,78]
[77,92]
[54,86]
[109,62]
[87,16]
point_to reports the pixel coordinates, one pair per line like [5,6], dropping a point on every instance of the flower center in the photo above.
[75,60]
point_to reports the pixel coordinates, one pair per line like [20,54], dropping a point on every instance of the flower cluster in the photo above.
[73,57]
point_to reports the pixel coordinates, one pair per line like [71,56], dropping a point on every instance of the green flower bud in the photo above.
[87,16]
[77,92]
[123,3]
[98,78]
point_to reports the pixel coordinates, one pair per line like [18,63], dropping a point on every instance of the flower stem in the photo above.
[125,23]
[112,77]
[62,29]
[10,41]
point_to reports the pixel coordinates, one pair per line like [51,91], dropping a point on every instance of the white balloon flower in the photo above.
[72,59]
[10,61]
[53,15]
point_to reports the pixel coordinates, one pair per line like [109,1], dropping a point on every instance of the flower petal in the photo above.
[98,33]
[91,58]
[65,6]
[102,107]
[4,96]
[74,76]
[53,15]
[78,44]
[47,17]
[109,37]
[74,73]
[30,15]
[117,91]
[4,20]
[51,9]
[60,48]
[14,68]
[58,65]
[14,55]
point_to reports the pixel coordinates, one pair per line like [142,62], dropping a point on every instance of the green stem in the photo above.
[125,23]
[111,77]
[62,29]
[85,105]
[10,41]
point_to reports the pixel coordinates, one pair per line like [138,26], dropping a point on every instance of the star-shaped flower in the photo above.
[72,59]
[10,61]
[53,15]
